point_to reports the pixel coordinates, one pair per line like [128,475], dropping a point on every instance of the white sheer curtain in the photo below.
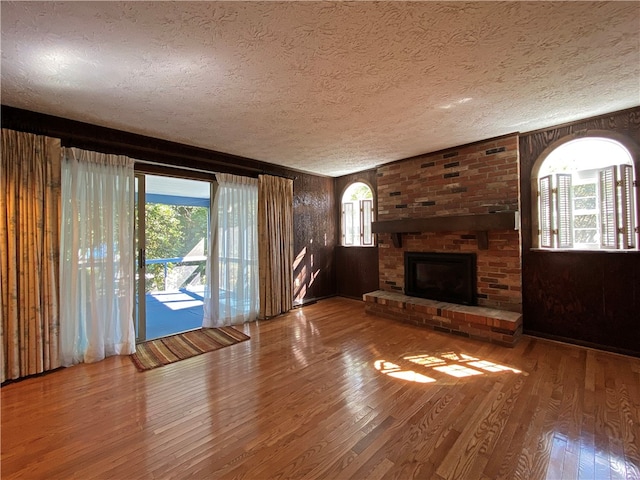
[232,295]
[96,257]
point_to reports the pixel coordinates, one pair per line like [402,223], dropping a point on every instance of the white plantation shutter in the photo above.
[347,223]
[564,211]
[357,215]
[627,207]
[546,233]
[608,210]
[587,197]
[366,216]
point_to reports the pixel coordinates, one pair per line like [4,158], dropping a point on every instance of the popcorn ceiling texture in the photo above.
[326,87]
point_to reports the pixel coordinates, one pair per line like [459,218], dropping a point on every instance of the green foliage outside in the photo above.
[359,191]
[171,231]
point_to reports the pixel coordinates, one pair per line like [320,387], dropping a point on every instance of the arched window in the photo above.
[585,196]
[357,215]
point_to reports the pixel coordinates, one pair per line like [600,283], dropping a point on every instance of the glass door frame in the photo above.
[139,245]
[140,313]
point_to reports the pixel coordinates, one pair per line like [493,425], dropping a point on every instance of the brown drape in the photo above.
[29,241]
[275,245]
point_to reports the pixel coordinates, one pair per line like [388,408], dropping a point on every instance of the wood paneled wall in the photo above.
[314,238]
[589,298]
[314,201]
[356,267]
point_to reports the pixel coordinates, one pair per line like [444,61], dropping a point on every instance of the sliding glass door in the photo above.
[172,227]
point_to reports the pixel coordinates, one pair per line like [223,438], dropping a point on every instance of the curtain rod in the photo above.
[210,172]
[175,167]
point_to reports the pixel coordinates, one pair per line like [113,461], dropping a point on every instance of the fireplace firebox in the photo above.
[448,277]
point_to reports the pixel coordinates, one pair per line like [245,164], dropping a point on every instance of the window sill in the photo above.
[575,250]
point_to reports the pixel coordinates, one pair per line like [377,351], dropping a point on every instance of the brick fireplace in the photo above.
[461,200]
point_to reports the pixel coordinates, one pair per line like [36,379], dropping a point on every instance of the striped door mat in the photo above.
[162,351]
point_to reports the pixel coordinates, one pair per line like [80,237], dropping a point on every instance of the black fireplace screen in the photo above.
[448,277]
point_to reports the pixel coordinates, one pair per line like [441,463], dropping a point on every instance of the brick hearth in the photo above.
[487,324]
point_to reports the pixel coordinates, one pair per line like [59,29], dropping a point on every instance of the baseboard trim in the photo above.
[581,343]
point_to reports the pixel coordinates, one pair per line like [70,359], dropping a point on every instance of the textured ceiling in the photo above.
[325,87]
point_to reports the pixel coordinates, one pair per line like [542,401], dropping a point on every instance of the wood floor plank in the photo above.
[329,392]
[555,466]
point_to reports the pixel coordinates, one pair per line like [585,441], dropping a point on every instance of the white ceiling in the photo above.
[325,87]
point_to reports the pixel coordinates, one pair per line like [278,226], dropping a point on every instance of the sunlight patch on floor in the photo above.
[395,371]
[453,364]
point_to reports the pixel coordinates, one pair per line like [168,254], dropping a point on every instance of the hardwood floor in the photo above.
[329,392]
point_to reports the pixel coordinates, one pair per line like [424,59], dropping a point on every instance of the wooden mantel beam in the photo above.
[480,223]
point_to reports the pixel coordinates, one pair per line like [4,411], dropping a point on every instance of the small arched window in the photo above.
[585,196]
[357,215]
